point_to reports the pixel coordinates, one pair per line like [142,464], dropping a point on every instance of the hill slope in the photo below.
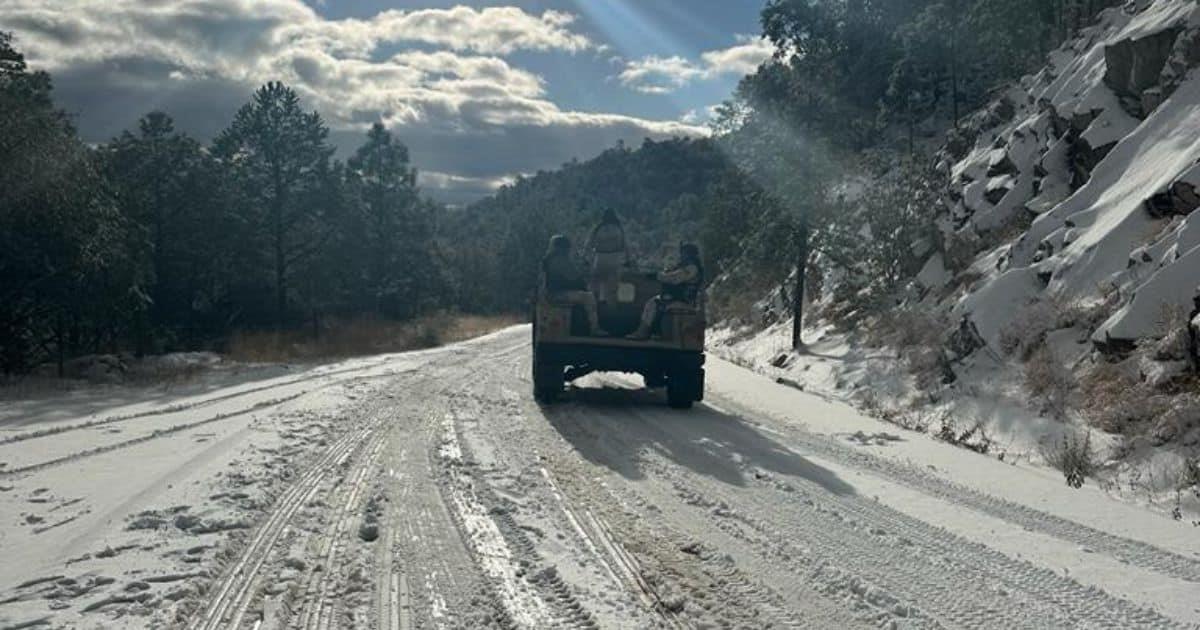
[1061,292]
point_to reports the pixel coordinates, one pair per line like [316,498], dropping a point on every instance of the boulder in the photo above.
[1133,66]
[999,163]
[1083,159]
[998,188]
[1180,199]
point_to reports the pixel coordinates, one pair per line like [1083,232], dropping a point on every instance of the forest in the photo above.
[155,241]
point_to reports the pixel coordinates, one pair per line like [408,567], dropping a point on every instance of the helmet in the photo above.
[559,243]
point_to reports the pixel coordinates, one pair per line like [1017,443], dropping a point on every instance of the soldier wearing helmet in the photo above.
[566,283]
[681,282]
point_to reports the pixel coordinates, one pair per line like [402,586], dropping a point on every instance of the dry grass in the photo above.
[1050,382]
[361,336]
[1074,456]
[919,338]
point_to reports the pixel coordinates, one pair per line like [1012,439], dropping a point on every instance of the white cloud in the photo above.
[742,59]
[659,75]
[190,31]
[456,93]
[662,75]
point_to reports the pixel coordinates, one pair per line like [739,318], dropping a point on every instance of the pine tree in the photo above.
[394,236]
[65,285]
[168,185]
[278,155]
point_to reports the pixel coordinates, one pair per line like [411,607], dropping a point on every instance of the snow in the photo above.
[934,274]
[1171,287]
[992,306]
[1099,239]
[1109,207]
[1098,255]
[765,505]
[1017,477]
[140,485]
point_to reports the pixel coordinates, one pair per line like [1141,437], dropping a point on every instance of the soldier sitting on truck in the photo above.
[566,283]
[681,285]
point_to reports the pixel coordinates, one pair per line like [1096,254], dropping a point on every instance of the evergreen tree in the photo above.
[65,285]
[167,184]
[279,155]
[395,236]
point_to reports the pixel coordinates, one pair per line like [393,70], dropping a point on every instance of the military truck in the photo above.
[564,350]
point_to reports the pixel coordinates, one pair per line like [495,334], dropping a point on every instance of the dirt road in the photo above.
[429,491]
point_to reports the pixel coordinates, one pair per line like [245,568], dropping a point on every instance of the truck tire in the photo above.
[548,381]
[684,388]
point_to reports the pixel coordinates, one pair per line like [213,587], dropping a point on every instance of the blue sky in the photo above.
[481,91]
[633,29]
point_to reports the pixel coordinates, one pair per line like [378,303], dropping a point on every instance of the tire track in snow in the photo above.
[236,588]
[438,579]
[1125,550]
[488,543]
[901,566]
[318,607]
[157,433]
[624,571]
[199,404]
[662,577]
[393,594]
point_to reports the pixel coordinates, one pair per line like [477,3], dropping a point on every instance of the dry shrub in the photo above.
[1074,456]
[919,337]
[174,368]
[1176,416]
[1189,475]
[1026,332]
[1050,383]
[974,438]
[1171,333]
[360,336]
[737,298]
[1088,315]
[1118,402]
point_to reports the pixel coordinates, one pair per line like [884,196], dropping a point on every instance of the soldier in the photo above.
[608,252]
[565,282]
[681,284]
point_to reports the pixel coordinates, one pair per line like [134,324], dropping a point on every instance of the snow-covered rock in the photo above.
[1097,181]
[933,275]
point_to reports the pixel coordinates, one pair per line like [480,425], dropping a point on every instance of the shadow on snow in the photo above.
[618,428]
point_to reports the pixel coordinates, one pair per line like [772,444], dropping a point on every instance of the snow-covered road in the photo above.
[429,490]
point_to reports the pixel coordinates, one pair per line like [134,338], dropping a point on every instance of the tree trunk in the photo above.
[280,256]
[954,78]
[801,273]
[60,336]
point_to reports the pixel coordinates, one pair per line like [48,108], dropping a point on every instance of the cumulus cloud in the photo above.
[662,75]
[659,75]
[204,32]
[470,116]
[742,59]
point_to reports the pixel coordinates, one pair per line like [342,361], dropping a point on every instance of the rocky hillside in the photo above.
[1093,162]
[1057,294]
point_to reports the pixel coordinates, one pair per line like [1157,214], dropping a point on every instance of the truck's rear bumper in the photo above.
[623,357]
